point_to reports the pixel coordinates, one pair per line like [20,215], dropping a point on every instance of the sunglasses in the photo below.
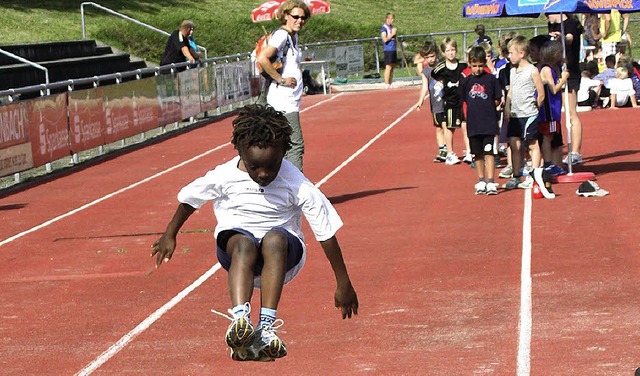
[296,17]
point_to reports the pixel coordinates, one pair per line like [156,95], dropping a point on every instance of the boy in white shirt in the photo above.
[259,199]
[621,87]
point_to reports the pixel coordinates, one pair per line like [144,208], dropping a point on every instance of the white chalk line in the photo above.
[525,320]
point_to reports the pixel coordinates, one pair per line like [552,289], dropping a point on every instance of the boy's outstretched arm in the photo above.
[345,296]
[163,248]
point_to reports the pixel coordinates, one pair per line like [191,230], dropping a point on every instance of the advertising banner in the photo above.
[48,128]
[15,148]
[86,119]
[349,60]
[189,84]
[117,101]
[145,104]
[208,92]
[168,99]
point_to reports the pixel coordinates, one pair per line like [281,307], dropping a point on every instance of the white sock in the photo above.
[240,310]
[267,317]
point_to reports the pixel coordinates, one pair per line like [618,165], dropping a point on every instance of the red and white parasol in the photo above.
[267,10]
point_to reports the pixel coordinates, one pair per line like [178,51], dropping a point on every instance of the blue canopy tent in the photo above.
[533,8]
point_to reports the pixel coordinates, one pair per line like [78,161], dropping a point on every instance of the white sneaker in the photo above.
[452,159]
[481,188]
[506,172]
[267,344]
[492,189]
[576,158]
[526,183]
[468,158]
[240,334]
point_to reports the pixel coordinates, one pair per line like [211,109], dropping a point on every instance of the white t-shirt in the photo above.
[586,84]
[240,202]
[281,98]
[623,89]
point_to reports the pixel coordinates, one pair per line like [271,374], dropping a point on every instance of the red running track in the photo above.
[438,270]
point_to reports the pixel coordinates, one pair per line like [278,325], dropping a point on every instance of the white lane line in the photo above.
[321,102]
[110,195]
[116,347]
[122,342]
[524,325]
[365,147]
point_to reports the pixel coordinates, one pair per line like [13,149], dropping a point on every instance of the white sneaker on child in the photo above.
[452,159]
[240,334]
[481,188]
[492,189]
[267,344]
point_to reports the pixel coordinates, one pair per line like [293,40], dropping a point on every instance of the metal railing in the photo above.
[123,16]
[35,65]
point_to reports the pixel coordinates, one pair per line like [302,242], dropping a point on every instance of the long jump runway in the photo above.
[449,283]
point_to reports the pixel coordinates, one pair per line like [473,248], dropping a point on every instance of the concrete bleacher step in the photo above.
[64,60]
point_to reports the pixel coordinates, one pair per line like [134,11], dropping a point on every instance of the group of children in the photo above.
[618,85]
[509,100]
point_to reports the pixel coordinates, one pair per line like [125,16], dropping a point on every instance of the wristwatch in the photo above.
[283,81]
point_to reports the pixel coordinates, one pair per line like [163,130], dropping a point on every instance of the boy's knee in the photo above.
[240,243]
[275,243]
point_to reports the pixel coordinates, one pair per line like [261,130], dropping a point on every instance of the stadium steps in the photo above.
[64,60]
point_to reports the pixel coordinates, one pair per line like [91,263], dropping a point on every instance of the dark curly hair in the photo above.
[262,126]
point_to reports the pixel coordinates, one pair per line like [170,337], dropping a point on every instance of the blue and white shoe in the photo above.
[555,170]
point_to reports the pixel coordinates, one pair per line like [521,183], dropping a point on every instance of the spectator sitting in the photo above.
[632,68]
[588,92]
[622,93]
[605,76]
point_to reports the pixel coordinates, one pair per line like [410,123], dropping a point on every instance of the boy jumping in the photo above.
[259,199]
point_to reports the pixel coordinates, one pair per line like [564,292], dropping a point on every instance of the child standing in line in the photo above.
[433,88]
[525,97]
[503,67]
[259,199]
[482,93]
[449,72]
[551,110]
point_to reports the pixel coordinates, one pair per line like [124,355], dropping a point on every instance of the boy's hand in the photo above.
[347,300]
[163,249]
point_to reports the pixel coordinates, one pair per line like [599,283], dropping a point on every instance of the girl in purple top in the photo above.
[550,129]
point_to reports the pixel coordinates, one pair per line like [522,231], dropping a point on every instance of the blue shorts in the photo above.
[294,249]
[523,128]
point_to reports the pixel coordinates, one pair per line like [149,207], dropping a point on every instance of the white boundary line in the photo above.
[525,323]
[110,195]
[146,323]
[116,347]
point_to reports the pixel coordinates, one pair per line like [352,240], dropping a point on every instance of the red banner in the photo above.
[48,128]
[118,112]
[86,119]
[145,105]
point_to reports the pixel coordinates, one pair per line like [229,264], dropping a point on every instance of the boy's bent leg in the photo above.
[244,255]
[238,254]
[274,249]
